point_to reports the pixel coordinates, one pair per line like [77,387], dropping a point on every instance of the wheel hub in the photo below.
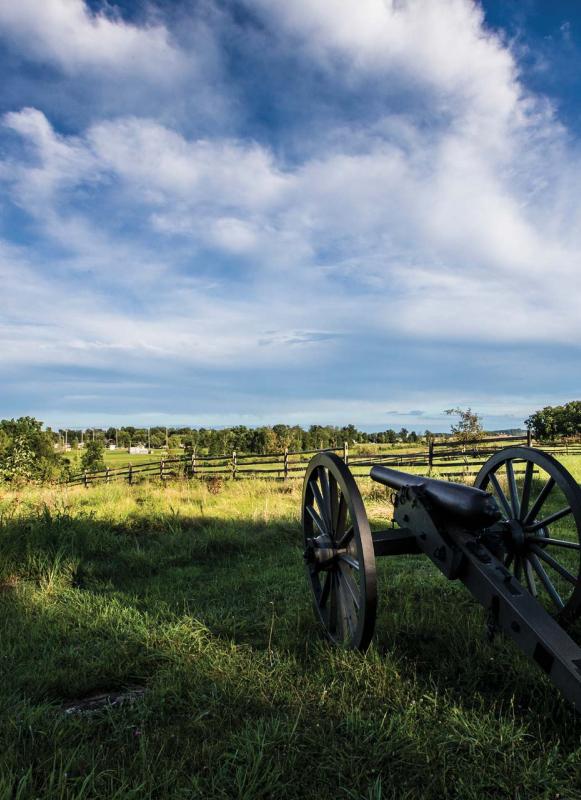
[516,539]
[320,551]
[516,536]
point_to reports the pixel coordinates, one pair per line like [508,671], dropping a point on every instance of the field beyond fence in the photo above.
[445,459]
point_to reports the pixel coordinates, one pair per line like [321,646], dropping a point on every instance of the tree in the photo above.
[18,463]
[28,452]
[469,426]
[349,433]
[554,421]
[92,459]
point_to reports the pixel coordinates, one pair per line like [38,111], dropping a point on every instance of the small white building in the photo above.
[111,447]
[138,450]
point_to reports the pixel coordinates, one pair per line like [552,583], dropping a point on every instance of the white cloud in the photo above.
[56,320]
[68,34]
[456,220]
[436,226]
[165,165]
[441,45]
[58,163]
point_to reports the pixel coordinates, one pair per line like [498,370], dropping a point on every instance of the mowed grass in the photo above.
[121,458]
[201,600]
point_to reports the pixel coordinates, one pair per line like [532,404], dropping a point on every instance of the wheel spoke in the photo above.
[344,605]
[317,520]
[530,578]
[346,538]
[549,520]
[326,490]
[321,504]
[334,492]
[349,560]
[513,491]
[556,542]
[340,626]
[333,609]
[526,489]
[509,560]
[538,504]
[324,595]
[546,581]
[501,495]
[553,563]
[517,567]
[350,586]
[341,516]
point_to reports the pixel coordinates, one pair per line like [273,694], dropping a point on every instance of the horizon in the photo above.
[184,426]
[236,212]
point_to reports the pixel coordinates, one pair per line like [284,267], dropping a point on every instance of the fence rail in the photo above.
[456,458]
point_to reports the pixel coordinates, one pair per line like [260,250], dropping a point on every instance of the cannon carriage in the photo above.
[513,539]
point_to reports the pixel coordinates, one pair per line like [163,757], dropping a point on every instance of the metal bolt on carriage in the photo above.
[513,539]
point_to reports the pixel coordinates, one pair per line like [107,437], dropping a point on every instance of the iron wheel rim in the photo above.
[539,563]
[344,590]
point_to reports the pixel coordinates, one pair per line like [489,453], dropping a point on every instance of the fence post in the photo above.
[345,452]
[161,468]
[430,453]
[233,464]
[130,475]
[86,480]
[194,462]
[529,438]
[285,463]
[106,474]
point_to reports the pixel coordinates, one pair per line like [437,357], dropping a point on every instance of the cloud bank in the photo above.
[420,197]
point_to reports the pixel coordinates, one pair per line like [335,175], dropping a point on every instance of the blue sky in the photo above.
[324,211]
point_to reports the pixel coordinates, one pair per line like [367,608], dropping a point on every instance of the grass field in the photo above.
[250,465]
[198,604]
[120,458]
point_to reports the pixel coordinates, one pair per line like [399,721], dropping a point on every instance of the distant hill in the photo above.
[508,432]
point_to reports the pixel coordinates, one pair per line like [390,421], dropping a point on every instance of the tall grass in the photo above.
[200,598]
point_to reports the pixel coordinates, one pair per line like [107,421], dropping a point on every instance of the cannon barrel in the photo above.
[474,508]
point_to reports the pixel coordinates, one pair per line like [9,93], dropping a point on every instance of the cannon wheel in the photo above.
[542,506]
[339,554]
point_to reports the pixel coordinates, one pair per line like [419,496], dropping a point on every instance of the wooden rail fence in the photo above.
[445,459]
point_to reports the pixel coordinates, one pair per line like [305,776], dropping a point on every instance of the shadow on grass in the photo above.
[88,604]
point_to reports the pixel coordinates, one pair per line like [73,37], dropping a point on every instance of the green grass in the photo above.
[201,599]
[121,458]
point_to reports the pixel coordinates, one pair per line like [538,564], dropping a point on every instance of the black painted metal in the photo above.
[532,546]
[395,542]
[476,508]
[339,552]
[498,543]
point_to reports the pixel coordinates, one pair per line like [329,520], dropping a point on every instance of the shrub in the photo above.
[92,459]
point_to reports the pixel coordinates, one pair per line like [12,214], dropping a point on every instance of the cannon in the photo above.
[513,539]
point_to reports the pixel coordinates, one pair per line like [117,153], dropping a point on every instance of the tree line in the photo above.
[554,422]
[30,452]
[264,439]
